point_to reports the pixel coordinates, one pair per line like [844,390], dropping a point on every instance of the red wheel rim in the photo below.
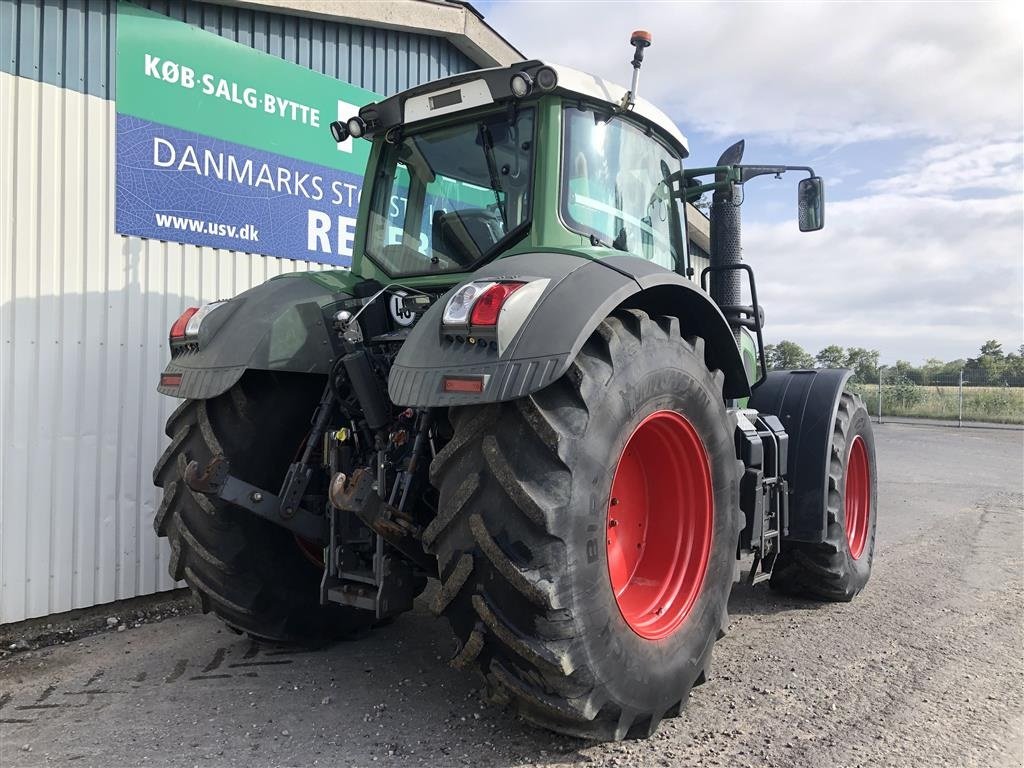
[659,524]
[857,498]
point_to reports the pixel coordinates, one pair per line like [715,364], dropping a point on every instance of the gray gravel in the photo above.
[924,668]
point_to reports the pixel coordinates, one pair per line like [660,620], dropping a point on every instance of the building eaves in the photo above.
[458,22]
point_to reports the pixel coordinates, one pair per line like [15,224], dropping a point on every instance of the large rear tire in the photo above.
[251,573]
[533,543]
[839,567]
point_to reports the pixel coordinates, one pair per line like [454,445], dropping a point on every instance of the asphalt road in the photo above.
[924,668]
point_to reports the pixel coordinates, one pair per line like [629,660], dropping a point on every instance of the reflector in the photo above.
[465,384]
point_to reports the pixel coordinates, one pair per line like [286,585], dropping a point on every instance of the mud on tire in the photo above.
[249,572]
[830,570]
[520,536]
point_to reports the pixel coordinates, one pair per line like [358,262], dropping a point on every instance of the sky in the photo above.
[912,112]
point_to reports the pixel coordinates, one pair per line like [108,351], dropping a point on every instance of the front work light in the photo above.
[356,127]
[339,131]
[521,84]
[547,79]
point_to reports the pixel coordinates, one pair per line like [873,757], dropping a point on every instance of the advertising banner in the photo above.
[224,146]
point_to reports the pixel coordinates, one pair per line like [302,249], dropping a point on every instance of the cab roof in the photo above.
[481,87]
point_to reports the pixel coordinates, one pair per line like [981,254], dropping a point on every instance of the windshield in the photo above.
[444,199]
[614,186]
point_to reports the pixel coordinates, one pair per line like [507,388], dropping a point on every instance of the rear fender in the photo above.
[806,402]
[280,325]
[578,295]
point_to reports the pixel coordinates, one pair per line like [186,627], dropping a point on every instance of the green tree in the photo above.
[832,356]
[992,348]
[864,363]
[1013,368]
[787,355]
[932,369]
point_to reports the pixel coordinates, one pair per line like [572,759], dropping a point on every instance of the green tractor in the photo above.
[525,389]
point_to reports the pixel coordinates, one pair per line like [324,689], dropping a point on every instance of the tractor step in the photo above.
[763,446]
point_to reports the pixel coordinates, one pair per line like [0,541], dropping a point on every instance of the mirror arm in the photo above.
[748,172]
[694,192]
[689,189]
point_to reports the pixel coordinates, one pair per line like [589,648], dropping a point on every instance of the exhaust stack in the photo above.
[726,248]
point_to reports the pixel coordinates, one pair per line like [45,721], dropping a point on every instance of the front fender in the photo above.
[579,294]
[806,402]
[279,325]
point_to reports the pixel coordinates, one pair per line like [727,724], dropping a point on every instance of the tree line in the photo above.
[991,367]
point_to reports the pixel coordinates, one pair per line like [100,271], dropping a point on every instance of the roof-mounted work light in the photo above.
[521,84]
[339,131]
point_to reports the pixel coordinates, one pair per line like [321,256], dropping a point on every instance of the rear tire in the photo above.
[522,536]
[248,571]
[839,567]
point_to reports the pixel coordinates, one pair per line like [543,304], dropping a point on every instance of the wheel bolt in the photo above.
[612,523]
[615,502]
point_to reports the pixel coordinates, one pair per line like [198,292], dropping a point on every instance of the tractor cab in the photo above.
[494,162]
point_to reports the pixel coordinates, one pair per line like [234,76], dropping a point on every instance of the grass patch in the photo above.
[999,405]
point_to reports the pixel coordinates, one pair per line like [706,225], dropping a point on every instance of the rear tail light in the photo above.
[181,324]
[478,304]
[491,312]
[186,327]
[487,307]
[456,311]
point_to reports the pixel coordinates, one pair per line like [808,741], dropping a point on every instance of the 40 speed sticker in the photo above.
[401,315]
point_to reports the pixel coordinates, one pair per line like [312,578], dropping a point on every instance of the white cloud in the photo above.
[958,167]
[808,73]
[927,260]
[914,277]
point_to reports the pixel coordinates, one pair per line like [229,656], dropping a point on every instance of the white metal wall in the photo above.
[84,314]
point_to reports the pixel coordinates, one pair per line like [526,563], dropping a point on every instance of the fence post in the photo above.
[960,416]
[880,393]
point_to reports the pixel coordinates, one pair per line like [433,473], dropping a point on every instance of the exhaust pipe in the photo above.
[726,248]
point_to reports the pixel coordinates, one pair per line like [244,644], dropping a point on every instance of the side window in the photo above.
[614,188]
[398,206]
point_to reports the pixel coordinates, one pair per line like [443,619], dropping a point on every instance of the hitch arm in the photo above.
[215,479]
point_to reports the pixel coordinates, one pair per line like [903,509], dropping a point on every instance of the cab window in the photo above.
[614,186]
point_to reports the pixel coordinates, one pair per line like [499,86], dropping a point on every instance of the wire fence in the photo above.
[962,397]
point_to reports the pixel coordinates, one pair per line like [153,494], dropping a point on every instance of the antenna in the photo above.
[640,39]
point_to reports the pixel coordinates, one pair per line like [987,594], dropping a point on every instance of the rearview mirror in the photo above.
[810,203]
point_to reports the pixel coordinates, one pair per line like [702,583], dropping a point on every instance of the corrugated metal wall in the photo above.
[70,43]
[84,312]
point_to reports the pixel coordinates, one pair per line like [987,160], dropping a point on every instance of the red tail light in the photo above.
[178,329]
[487,307]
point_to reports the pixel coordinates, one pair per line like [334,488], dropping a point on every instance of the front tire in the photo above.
[531,561]
[838,568]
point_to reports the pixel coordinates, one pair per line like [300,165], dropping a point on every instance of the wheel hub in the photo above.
[659,524]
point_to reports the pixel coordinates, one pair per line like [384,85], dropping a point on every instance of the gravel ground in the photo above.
[924,668]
